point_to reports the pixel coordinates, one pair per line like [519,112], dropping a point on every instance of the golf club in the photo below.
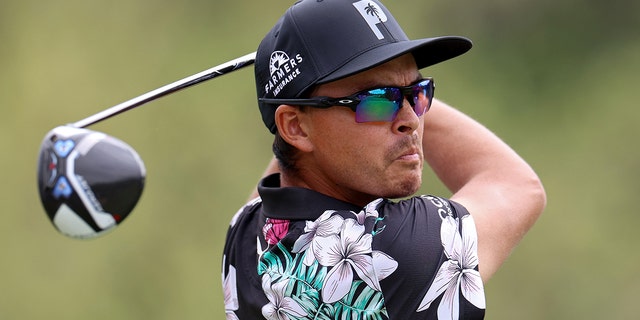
[88,181]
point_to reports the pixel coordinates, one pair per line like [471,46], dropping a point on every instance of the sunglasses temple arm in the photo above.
[318,102]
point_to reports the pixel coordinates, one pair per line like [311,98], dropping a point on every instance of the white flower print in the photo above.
[349,251]
[279,306]
[456,274]
[368,211]
[230,292]
[326,225]
[383,263]
[259,250]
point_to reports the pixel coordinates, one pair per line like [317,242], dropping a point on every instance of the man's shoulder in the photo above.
[246,211]
[423,204]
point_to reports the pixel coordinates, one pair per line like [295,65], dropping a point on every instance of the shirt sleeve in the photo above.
[434,242]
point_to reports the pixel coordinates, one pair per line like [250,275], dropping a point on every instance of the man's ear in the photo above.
[292,126]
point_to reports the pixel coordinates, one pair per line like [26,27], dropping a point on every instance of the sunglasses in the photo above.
[376,104]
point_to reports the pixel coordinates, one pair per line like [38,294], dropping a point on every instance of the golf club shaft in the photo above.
[205,75]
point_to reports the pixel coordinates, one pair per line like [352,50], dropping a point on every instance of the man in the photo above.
[338,84]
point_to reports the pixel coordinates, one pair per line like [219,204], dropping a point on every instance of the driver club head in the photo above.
[88,181]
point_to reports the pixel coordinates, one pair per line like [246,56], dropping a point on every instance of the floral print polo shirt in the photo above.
[294,253]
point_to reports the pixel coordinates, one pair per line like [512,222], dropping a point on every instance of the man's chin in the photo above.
[405,188]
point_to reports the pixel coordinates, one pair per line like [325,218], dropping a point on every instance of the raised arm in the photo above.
[500,190]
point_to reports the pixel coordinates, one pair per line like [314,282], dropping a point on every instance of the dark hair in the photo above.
[285,153]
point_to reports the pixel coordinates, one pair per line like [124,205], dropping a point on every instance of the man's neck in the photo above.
[289,179]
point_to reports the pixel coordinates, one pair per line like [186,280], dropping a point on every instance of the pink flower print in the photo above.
[274,230]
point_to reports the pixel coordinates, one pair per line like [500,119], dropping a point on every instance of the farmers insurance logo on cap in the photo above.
[283,70]
[372,14]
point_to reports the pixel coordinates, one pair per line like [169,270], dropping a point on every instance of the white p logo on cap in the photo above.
[372,14]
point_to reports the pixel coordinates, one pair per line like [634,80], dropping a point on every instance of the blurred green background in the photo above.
[556,79]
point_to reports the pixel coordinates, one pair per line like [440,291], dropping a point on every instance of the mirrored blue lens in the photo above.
[383,104]
[379,105]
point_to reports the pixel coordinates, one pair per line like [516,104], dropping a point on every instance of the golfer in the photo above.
[334,231]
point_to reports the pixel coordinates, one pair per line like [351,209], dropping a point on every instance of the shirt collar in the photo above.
[295,203]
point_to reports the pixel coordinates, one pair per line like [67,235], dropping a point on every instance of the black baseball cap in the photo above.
[319,41]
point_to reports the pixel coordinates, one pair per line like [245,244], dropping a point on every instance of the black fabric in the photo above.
[296,203]
[264,244]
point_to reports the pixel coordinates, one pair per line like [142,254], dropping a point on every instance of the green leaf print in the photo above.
[305,283]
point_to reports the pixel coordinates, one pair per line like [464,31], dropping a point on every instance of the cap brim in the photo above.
[427,52]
